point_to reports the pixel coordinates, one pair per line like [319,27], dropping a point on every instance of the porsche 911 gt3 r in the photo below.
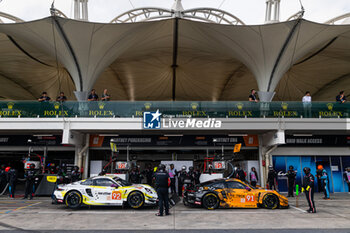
[105,190]
[233,193]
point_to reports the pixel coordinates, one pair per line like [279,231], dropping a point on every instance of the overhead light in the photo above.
[237,135]
[42,135]
[108,135]
[302,135]
[173,135]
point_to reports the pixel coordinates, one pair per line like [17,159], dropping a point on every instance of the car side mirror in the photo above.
[248,189]
[114,186]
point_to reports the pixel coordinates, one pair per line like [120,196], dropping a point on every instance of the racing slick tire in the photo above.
[270,201]
[210,201]
[73,200]
[136,200]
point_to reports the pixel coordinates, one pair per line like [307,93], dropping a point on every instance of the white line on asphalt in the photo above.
[298,209]
[176,212]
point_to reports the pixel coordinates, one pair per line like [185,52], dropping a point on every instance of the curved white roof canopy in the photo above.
[174,58]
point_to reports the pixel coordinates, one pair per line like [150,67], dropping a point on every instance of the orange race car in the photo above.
[233,193]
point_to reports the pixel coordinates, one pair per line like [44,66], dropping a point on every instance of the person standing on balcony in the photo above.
[252,97]
[105,96]
[61,97]
[44,97]
[341,98]
[307,104]
[93,96]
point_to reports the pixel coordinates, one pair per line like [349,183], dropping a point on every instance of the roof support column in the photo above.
[175,53]
[266,96]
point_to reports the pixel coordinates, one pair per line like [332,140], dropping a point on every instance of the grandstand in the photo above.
[199,63]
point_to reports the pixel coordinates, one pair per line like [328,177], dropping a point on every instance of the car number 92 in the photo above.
[116,195]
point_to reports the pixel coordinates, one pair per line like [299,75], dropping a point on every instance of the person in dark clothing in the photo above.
[172,174]
[291,174]
[253,177]
[103,172]
[135,176]
[252,97]
[319,181]
[76,175]
[44,97]
[197,175]
[148,173]
[341,98]
[272,178]
[62,174]
[61,97]
[239,173]
[182,175]
[12,180]
[30,176]
[161,178]
[3,178]
[308,187]
[347,177]
[93,96]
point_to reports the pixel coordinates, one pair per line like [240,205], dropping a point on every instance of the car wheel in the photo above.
[211,201]
[73,199]
[136,200]
[270,201]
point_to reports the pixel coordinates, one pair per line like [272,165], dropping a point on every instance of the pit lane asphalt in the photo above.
[39,215]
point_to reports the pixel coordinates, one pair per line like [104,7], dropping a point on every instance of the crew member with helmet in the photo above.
[76,175]
[12,180]
[291,175]
[162,179]
[325,181]
[103,172]
[272,178]
[239,173]
[62,174]
[30,176]
[182,175]
[308,188]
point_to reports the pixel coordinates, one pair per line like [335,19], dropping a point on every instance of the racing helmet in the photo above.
[319,167]
[7,169]
[291,167]
[32,166]
[270,167]
[183,168]
[162,167]
[306,170]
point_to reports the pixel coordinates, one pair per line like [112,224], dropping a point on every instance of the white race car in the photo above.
[108,190]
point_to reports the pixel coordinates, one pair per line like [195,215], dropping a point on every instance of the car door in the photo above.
[238,196]
[102,190]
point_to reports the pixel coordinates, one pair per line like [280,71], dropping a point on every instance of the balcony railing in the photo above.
[174,109]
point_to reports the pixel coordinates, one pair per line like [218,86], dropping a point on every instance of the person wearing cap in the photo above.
[325,181]
[272,178]
[308,188]
[291,174]
[11,180]
[30,176]
[162,187]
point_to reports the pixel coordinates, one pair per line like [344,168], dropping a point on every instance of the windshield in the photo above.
[121,181]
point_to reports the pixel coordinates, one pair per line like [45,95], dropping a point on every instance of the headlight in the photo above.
[148,190]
